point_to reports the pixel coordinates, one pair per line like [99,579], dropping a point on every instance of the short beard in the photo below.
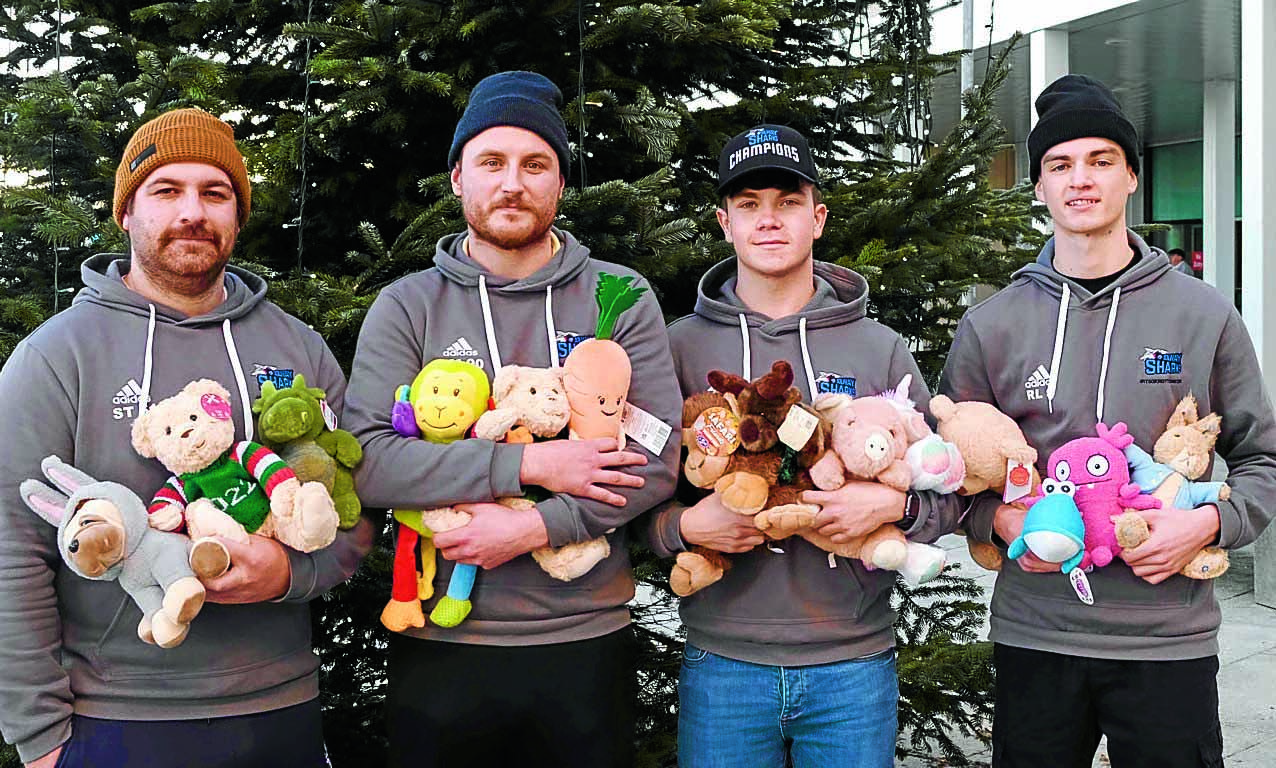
[165,271]
[477,217]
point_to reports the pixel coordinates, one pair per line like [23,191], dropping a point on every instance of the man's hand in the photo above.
[1007,521]
[1176,536]
[48,761]
[855,509]
[496,534]
[259,571]
[712,525]
[581,468]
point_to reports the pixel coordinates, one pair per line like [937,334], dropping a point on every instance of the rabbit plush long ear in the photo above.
[1210,425]
[66,477]
[1184,413]
[44,501]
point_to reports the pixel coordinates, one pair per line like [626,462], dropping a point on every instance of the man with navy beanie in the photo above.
[540,672]
[1100,328]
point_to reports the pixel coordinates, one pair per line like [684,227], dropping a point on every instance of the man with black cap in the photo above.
[541,672]
[1101,329]
[791,655]
[78,686]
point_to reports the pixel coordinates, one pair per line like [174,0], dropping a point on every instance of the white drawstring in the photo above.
[146,365]
[231,352]
[1060,324]
[239,379]
[489,327]
[748,358]
[550,331]
[1107,346]
[492,350]
[806,358]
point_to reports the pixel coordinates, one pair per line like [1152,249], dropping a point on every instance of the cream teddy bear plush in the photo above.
[222,487]
[532,402]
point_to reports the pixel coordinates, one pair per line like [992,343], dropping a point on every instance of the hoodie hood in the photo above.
[103,277]
[1153,264]
[841,297]
[103,284]
[456,265]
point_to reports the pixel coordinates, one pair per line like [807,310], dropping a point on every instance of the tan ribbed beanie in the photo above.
[181,136]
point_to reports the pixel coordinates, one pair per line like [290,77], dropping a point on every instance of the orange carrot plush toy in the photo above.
[597,372]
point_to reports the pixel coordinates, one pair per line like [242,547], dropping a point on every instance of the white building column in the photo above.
[1258,228]
[1048,61]
[1220,185]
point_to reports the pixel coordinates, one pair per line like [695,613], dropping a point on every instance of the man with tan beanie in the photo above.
[77,684]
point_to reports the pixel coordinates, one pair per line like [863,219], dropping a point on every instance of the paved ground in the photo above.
[1247,674]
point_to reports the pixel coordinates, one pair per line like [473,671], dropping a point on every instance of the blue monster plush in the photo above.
[1053,529]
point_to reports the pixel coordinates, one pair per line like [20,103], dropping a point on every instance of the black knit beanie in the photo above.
[521,99]
[1076,107]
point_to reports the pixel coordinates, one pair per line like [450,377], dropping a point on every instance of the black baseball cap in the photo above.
[766,148]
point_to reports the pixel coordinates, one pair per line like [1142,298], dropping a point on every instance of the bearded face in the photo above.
[509,183]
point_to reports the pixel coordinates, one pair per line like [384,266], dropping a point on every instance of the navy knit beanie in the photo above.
[1076,107]
[521,99]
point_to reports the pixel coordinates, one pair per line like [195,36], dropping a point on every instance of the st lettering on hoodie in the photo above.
[790,607]
[1058,359]
[456,310]
[73,389]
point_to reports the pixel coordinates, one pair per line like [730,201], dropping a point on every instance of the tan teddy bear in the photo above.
[531,402]
[221,487]
[988,440]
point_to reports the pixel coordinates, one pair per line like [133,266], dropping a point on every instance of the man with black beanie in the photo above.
[541,672]
[1100,329]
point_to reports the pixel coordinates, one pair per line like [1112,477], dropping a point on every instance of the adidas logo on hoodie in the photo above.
[1037,382]
[461,349]
[126,401]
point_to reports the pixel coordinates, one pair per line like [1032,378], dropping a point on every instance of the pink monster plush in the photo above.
[1098,468]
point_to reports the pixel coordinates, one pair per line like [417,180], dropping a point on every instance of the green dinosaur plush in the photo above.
[291,422]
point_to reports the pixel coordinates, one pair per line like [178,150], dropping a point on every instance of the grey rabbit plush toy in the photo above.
[103,535]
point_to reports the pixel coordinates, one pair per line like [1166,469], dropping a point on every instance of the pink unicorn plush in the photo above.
[1098,468]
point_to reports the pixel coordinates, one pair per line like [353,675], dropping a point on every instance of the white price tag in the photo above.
[798,427]
[1081,585]
[650,432]
[329,417]
[1018,481]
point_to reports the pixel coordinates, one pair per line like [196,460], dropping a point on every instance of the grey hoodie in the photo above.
[1127,353]
[439,313]
[792,608]
[72,389]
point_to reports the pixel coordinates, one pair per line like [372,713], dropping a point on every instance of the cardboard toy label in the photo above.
[329,417]
[651,433]
[1081,585]
[798,427]
[717,431]
[1018,481]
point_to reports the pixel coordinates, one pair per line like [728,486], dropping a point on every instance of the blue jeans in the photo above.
[733,714]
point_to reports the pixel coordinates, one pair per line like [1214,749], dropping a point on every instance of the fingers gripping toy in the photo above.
[440,406]
[1097,468]
[1180,456]
[297,423]
[221,487]
[103,535]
